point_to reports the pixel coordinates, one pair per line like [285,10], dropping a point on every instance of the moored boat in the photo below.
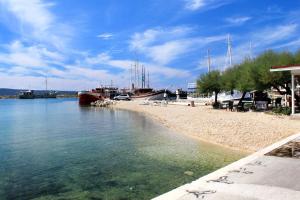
[97,94]
[87,97]
[29,94]
[147,94]
[46,95]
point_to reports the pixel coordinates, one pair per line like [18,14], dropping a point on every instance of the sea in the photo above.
[54,149]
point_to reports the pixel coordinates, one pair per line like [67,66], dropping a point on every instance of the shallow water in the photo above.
[55,149]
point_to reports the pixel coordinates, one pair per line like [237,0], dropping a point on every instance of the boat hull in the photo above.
[86,98]
[159,95]
[26,97]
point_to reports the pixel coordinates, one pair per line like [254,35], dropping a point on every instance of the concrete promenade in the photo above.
[256,177]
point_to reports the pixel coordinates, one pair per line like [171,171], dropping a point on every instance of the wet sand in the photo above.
[249,131]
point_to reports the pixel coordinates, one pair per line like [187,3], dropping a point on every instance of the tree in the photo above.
[269,79]
[252,74]
[246,80]
[209,83]
[229,79]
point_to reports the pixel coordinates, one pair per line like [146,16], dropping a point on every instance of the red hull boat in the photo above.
[87,97]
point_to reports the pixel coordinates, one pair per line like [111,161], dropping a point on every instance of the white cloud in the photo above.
[168,51]
[100,58]
[32,12]
[155,69]
[158,35]
[194,5]
[292,44]
[271,35]
[105,36]
[81,72]
[166,45]
[33,20]
[237,20]
[29,56]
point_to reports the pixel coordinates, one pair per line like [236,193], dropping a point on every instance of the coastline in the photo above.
[245,132]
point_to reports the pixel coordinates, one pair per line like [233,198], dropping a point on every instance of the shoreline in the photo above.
[244,132]
[162,122]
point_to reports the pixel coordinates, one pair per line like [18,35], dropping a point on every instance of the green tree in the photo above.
[266,79]
[245,76]
[209,83]
[229,79]
[252,74]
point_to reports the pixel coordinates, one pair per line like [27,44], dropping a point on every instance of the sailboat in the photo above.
[139,90]
[47,94]
[31,94]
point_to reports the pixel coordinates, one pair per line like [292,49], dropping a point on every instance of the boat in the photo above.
[29,94]
[45,95]
[157,95]
[51,94]
[227,96]
[101,93]
[148,94]
[39,94]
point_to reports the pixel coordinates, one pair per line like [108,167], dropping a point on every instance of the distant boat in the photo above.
[47,95]
[29,94]
[147,94]
[150,94]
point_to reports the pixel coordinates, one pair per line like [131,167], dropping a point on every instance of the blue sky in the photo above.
[79,45]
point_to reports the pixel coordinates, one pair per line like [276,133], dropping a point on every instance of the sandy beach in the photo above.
[248,132]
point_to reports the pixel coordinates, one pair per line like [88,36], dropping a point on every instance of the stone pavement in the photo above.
[256,177]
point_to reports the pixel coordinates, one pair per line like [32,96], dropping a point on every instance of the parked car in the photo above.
[125,97]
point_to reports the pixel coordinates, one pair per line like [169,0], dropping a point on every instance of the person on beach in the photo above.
[165,95]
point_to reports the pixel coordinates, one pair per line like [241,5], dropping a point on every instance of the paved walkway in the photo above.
[256,177]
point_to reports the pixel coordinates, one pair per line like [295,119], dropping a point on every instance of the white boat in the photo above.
[205,100]
[227,96]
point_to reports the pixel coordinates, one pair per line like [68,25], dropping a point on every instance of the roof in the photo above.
[285,68]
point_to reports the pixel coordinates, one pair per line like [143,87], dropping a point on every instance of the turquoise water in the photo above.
[55,149]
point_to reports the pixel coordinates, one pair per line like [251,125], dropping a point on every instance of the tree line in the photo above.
[251,74]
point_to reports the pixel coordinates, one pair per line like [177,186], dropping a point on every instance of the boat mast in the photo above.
[135,74]
[138,73]
[46,82]
[130,81]
[143,76]
[148,80]
[229,51]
